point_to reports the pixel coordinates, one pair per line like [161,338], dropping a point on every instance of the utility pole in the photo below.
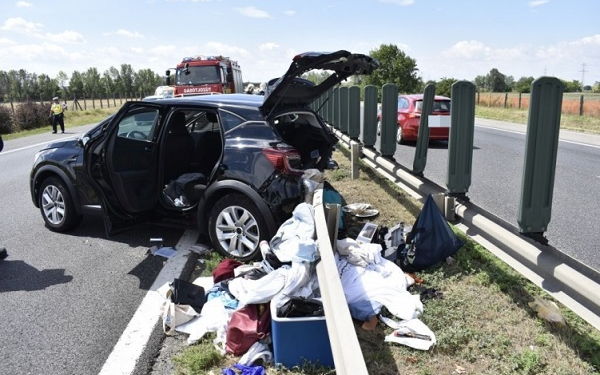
[582,75]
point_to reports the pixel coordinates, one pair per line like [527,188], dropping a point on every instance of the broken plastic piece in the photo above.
[166,252]
[201,250]
[547,310]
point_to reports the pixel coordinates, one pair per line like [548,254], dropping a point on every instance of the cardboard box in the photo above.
[296,340]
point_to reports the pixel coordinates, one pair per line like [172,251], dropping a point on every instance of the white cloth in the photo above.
[383,282]
[214,317]
[258,350]
[359,254]
[262,290]
[294,240]
[403,330]
[282,282]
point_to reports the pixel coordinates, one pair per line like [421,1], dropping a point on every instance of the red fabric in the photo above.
[225,269]
[247,325]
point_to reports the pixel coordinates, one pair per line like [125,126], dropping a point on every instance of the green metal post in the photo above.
[317,105]
[541,146]
[354,112]
[336,108]
[460,144]
[423,136]
[330,105]
[323,105]
[343,125]
[389,119]
[369,130]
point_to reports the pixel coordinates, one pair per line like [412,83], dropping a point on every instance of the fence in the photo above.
[81,103]
[573,103]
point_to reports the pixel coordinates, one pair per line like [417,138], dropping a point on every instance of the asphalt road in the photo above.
[65,299]
[498,158]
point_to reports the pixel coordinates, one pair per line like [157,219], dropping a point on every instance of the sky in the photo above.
[458,39]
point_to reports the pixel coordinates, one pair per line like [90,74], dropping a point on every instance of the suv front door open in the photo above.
[122,165]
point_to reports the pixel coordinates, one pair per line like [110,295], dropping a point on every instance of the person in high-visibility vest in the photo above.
[57,113]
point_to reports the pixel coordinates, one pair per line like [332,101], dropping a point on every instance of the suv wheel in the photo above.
[236,228]
[56,206]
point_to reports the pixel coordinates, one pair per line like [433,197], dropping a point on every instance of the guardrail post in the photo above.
[316,105]
[460,144]
[336,108]
[541,146]
[423,136]
[343,124]
[389,119]
[325,98]
[355,158]
[330,105]
[369,130]
[354,112]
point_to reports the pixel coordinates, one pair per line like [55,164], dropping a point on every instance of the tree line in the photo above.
[400,69]
[23,86]
[396,67]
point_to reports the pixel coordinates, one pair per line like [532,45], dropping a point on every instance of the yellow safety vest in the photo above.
[56,108]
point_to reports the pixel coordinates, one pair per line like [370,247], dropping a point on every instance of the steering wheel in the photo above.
[136,134]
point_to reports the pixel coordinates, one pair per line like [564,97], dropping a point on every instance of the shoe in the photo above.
[3,253]
[63,132]
[53,132]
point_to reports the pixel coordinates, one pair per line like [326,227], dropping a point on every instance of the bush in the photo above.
[6,122]
[30,115]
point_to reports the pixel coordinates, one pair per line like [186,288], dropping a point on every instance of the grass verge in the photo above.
[72,119]
[586,124]
[482,321]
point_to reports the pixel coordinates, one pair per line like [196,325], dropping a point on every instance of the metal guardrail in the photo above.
[346,351]
[569,281]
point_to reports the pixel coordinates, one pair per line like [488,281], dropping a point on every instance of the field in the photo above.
[573,103]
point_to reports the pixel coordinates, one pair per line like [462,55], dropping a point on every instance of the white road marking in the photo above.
[133,341]
[36,145]
[524,133]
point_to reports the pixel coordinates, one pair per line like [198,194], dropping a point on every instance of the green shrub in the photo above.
[6,122]
[30,115]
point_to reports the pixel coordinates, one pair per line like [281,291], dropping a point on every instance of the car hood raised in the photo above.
[292,91]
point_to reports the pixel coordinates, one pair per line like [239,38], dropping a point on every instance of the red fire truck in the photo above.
[206,75]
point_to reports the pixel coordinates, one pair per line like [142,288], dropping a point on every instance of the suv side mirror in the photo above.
[83,140]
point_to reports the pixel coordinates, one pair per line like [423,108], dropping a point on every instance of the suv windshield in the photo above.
[197,75]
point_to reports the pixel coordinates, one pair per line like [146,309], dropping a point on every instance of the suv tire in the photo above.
[236,228]
[56,206]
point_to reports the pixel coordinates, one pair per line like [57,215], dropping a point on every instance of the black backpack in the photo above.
[430,241]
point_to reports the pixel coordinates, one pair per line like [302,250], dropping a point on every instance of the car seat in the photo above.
[209,147]
[179,148]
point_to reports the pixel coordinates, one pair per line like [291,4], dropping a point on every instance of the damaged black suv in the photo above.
[230,164]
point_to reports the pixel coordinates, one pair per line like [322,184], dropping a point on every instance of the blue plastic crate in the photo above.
[296,340]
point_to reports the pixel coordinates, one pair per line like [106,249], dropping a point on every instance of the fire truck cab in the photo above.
[206,75]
